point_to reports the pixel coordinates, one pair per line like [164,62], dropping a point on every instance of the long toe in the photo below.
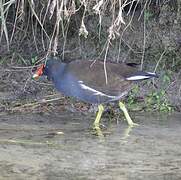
[97,131]
[133,124]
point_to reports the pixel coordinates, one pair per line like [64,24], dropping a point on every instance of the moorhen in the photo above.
[86,80]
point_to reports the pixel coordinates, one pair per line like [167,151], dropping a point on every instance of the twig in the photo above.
[160,59]
[34,13]
[105,58]
[129,23]
[144,42]
[3,25]
[14,25]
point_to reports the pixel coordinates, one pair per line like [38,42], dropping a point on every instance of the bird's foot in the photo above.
[97,130]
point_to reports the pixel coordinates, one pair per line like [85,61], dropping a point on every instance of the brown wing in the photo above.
[93,75]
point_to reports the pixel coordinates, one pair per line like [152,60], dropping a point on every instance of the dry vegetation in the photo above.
[45,24]
[50,19]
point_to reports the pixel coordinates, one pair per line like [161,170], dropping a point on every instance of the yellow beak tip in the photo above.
[35,77]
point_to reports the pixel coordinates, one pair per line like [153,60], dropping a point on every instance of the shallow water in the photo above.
[61,146]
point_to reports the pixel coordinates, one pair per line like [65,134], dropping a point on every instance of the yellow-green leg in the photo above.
[129,120]
[98,117]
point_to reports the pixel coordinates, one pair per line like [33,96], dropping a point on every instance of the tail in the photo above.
[140,75]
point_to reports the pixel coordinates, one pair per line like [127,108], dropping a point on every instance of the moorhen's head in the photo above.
[51,67]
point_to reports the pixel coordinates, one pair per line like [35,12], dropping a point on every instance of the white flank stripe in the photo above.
[95,92]
[151,73]
[137,78]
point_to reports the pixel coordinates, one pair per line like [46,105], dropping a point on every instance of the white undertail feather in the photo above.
[146,75]
[137,78]
[151,73]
